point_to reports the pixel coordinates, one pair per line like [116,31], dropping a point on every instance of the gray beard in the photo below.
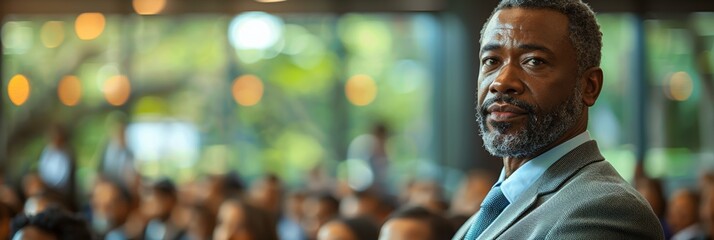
[542,128]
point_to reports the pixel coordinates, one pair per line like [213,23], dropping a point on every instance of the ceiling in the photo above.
[330,6]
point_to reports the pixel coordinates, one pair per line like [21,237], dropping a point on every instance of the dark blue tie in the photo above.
[492,206]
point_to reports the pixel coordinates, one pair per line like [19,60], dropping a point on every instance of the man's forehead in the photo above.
[528,24]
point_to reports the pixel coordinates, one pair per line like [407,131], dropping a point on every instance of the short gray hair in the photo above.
[583,29]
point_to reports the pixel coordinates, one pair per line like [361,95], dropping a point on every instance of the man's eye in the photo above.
[535,62]
[489,61]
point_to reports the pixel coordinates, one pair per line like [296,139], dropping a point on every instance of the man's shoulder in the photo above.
[598,201]
[598,183]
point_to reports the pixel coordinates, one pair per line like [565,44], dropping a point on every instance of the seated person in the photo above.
[157,205]
[416,223]
[240,220]
[43,200]
[51,224]
[110,208]
[6,214]
[359,228]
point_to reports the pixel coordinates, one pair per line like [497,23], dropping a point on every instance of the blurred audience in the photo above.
[683,215]
[41,201]
[110,208]
[416,223]
[290,225]
[10,199]
[158,202]
[371,148]
[651,190]
[214,189]
[117,162]
[266,193]
[239,220]
[57,166]
[367,204]
[6,214]
[468,197]
[202,224]
[319,209]
[427,194]
[358,228]
[50,224]
[706,209]
[123,205]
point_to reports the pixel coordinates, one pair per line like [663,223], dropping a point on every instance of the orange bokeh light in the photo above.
[148,7]
[361,90]
[18,89]
[89,26]
[680,86]
[69,90]
[247,90]
[117,90]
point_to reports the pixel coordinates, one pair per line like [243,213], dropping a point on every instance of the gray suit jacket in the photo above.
[580,196]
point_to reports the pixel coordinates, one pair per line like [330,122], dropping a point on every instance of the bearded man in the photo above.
[539,73]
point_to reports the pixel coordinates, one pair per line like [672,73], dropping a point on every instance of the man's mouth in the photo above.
[502,112]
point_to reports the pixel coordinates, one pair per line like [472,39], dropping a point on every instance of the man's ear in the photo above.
[592,85]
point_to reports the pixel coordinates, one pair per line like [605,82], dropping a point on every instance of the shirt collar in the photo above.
[526,175]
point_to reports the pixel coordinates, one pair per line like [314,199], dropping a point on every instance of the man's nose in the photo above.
[508,81]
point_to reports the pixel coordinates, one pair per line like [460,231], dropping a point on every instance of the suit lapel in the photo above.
[550,181]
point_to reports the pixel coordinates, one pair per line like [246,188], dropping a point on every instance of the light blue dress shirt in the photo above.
[526,175]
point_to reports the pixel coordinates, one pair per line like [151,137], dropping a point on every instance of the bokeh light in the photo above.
[361,90]
[247,90]
[680,86]
[16,37]
[117,90]
[148,7]
[18,89]
[69,90]
[359,175]
[89,26]
[151,106]
[52,34]
[365,35]
[255,30]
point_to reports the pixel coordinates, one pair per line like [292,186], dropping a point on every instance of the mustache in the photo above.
[483,108]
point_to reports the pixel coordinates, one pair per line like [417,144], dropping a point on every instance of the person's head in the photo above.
[32,184]
[159,199]
[706,208]
[539,71]
[238,220]
[10,197]
[360,228]
[429,194]
[651,190]
[319,209]
[120,133]
[6,215]
[110,206]
[59,135]
[51,224]
[43,200]
[683,210]
[366,203]
[266,193]
[381,131]
[416,223]
[293,205]
[214,189]
[202,223]
[471,192]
